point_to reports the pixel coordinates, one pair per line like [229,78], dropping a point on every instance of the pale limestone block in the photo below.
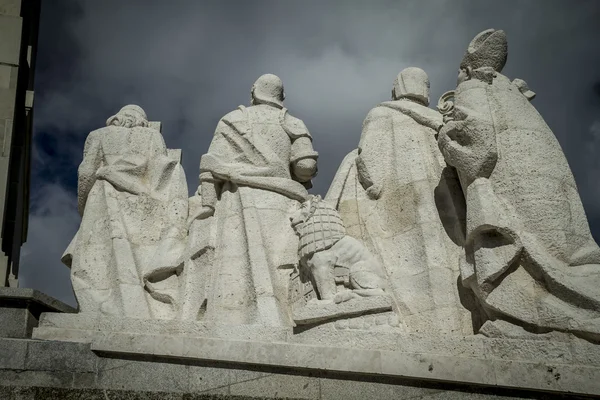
[465,368]
[8,76]
[55,379]
[327,336]
[12,353]
[7,103]
[528,350]
[207,380]
[430,366]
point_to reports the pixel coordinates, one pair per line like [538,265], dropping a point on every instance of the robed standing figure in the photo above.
[256,171]
[530,257]
[128,252]
[397,195]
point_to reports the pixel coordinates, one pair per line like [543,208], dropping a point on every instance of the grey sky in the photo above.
[188,63]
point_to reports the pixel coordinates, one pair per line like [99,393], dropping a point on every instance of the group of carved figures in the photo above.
[459,221]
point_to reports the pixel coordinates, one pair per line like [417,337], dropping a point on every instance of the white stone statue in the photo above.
[255,173]
[530,257]
[132,196]
[396,194]
[324,246]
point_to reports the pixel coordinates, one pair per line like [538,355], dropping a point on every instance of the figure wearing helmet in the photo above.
[388,192]
[258,167]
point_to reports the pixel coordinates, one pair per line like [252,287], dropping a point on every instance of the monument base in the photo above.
[369,361]
[116,368]
[20,310]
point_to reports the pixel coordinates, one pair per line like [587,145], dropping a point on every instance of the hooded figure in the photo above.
[530,258]
[129,249]
[396,194]
[255,173]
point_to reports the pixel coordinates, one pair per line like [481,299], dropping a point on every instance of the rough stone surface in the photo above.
[20,310]
[32,295]
[256,170]
[126,258]
[155,377]
[547,372]
[529,255]
[396,194]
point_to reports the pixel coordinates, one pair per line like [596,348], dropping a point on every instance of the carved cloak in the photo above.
[255,245]
[530,256]
[415,225]
[132,236]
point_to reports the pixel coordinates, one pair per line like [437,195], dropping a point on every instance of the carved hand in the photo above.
[374,191]
[471,151]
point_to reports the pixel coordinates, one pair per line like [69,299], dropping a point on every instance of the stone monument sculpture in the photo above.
[452,248]
[334,269]
[324,246]
[132,196]
[529,255]
[396,194]
[256,171]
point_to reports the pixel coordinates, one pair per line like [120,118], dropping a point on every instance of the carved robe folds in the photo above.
[246,175]
[388,194]
[133,200]
[530,256]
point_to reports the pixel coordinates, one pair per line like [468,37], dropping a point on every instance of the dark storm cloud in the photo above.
[189,63]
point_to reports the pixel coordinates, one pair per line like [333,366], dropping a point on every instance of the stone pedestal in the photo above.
[135,366]
[20,310]
[566,365]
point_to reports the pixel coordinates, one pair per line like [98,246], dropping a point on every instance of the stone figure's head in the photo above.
[305,211]
[268,89]
[412,83]
[488,50]
[129,116]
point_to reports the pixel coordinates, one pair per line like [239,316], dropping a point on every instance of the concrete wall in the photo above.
[19,21]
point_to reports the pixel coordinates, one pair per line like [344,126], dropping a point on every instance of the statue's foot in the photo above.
[319,302]
[346,295]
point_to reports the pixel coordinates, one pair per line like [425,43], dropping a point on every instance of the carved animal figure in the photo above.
[324,246]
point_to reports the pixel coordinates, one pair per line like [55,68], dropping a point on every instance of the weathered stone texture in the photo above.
[31,370]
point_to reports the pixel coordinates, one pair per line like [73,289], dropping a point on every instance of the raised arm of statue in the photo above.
[92,161]
[303,159]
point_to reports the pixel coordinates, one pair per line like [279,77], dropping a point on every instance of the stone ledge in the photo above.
[31,295]
[568,366]
[323,311]
[20,310]
[538,375]
[72,370]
